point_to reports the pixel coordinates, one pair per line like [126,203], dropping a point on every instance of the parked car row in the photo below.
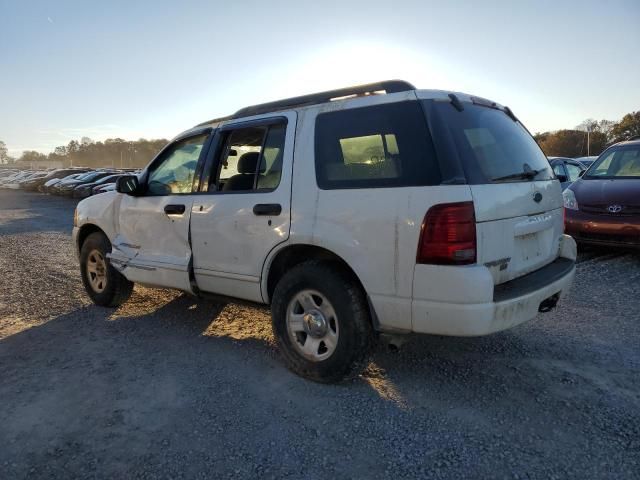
[74,182]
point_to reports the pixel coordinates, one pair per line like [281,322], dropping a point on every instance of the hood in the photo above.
[624,191]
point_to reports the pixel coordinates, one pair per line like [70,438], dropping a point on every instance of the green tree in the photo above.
[626,128]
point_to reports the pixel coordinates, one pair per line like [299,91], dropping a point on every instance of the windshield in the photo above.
[91,176]
[492,147]
[620,162]
[82,176]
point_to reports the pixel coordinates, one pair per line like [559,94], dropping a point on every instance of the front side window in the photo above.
[371,147]
[251,159]
[618,162]
[175,172]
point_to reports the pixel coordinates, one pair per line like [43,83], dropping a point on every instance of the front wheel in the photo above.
[321,322]
[104,284]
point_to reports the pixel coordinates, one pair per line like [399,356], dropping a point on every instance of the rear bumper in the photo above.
[491,309]
[610,230]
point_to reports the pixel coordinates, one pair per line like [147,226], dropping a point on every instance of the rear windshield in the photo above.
[618,162]
[490,146]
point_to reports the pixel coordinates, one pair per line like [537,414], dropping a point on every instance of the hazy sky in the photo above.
[152,69]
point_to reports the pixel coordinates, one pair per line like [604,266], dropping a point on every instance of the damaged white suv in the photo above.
[377,208]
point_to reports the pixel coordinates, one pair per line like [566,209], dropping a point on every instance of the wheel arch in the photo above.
[294,254]
[86,230]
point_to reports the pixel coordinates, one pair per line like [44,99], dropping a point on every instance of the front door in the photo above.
[246,210]
[152,242]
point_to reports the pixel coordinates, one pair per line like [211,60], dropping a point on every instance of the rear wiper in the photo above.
[524,175]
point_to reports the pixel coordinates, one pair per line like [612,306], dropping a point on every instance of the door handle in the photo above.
[267,209]
[174,209]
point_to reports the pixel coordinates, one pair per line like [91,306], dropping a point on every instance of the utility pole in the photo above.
[588,130]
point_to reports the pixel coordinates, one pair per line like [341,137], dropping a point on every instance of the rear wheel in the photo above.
[104,284]
[321,322]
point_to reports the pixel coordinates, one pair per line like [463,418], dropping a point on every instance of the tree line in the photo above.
[113,152]
[119,153]
[591,137]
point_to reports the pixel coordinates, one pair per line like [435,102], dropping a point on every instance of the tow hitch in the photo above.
[549,303]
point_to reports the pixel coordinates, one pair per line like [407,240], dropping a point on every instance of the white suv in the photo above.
[378,208]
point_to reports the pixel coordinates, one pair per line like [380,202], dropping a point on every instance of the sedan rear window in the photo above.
[490,145]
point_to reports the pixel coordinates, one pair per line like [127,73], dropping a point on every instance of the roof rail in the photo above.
[214,120]
[387,86]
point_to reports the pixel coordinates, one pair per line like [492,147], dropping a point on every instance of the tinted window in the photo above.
[270,168]
[490,145]
[175,171]
[558,169]
[379,146]
[251,159]
[573,171]
[618,162]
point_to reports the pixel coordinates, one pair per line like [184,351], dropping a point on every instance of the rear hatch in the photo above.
[517,200]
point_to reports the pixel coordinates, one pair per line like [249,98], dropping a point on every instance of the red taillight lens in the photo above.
[448,235]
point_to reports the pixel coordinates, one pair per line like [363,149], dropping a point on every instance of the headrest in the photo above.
[247,163]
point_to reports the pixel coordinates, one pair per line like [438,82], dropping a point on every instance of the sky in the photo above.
[134,69]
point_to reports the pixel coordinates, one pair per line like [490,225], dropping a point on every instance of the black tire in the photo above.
[117,289]
[345,295]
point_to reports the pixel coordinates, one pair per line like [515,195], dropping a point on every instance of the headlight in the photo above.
[75,217]
[570,201]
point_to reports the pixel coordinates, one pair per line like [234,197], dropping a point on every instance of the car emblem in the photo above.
[537,197]
[614,208]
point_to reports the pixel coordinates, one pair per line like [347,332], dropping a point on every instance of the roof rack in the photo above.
[214,120]
[388,86]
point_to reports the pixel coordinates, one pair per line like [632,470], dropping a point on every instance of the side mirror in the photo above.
[562,178]
[128,184]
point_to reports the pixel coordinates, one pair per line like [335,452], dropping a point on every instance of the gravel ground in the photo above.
[168,386]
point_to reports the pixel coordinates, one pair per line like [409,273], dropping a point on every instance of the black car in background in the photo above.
[67,187]
[35,184]
[86,189]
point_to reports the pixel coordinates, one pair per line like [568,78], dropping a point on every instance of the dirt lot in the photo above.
[168,386]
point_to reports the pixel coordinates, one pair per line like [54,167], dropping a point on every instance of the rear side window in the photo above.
[491,146]
[373,147]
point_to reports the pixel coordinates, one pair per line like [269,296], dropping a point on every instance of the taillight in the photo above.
[448,235]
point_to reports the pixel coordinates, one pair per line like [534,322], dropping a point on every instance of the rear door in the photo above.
[518,202]
[244,211]
[152,242]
